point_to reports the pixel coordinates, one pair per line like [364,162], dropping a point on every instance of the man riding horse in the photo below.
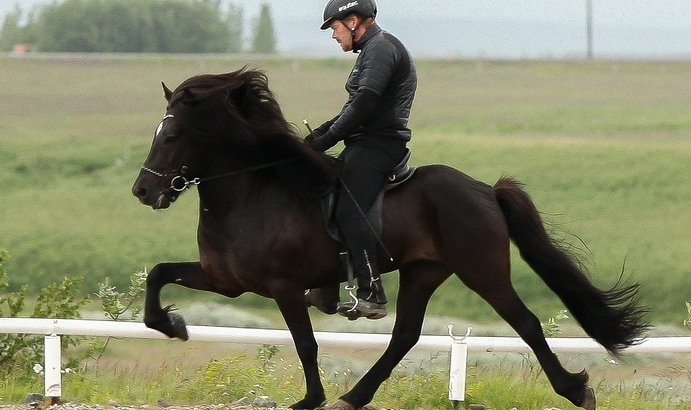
[373,125]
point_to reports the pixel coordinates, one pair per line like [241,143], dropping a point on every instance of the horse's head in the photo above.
[216,123]
[166,172]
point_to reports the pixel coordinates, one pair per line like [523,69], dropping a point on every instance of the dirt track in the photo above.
[75,406]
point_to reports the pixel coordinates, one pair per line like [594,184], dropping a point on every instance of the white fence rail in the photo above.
[53,328]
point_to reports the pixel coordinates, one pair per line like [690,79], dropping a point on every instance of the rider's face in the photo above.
[342,34]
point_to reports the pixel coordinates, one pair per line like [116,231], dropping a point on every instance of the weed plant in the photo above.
[497,386]
[413,384]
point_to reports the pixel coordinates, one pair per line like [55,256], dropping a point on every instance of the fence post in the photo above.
[457,367]
[52,361]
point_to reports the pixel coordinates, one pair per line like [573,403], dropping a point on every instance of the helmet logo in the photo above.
[347,6]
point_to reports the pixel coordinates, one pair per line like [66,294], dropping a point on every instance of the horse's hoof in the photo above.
[322,300]
[179,326]
[339,405]
[304,404]
[589,401]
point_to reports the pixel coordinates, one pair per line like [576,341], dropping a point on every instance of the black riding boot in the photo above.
[369,286]
[370,299]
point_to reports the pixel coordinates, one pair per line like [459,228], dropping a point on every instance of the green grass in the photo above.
[137,373]
[602,146]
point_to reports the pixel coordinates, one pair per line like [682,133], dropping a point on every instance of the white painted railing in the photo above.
[54,328]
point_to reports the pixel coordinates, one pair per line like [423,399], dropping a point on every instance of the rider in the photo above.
[373,124]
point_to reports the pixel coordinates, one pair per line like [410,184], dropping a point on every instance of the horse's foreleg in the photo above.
[291,302]
[417,283]
[188,274]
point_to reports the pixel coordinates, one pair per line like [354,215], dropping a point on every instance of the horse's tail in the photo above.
[612,317]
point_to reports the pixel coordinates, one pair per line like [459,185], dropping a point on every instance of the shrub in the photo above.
[20,352]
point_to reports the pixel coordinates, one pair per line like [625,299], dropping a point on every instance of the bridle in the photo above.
[179,183]
[180,186]
[184,183]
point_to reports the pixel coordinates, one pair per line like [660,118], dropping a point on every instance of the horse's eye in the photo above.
[170,139]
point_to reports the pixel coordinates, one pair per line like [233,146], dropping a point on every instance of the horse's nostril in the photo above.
[140,192]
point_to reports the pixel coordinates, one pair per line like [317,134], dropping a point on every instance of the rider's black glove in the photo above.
[319,142]
[309,139]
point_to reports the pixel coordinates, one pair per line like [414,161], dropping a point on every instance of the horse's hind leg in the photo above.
[495,287]
[572,386]
[417,283]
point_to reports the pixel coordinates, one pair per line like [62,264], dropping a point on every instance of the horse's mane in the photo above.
[237,113]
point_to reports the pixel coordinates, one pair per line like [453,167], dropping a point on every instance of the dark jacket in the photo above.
[381,88]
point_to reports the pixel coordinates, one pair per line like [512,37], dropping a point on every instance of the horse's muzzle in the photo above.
[162,200]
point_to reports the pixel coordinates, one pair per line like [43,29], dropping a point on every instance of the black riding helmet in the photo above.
[339,9]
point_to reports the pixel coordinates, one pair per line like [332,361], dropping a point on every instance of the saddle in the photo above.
[400,174]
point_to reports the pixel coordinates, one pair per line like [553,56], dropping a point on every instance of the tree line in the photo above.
[153,26]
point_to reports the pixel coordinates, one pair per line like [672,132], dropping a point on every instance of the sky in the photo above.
[490,28]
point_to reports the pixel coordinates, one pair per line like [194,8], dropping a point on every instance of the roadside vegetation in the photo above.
[98,372]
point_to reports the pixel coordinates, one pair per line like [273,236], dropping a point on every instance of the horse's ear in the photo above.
[166,91]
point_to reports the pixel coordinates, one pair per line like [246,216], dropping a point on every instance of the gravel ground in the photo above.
[76,406]
[38,402]
[242,404]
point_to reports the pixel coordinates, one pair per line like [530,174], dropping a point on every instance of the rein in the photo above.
[179,183]
[184,183]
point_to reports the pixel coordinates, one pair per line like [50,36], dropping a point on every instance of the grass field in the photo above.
[603,147]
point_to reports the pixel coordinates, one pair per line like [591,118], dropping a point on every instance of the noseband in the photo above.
[179,183]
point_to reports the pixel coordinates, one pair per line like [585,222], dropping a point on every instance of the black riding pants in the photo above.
[366,169]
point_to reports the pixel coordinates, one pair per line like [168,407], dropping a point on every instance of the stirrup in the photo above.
[357,308]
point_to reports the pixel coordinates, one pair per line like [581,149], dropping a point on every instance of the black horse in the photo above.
[261,230]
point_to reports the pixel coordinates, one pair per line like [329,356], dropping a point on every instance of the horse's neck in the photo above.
[243,189]
[221,195]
